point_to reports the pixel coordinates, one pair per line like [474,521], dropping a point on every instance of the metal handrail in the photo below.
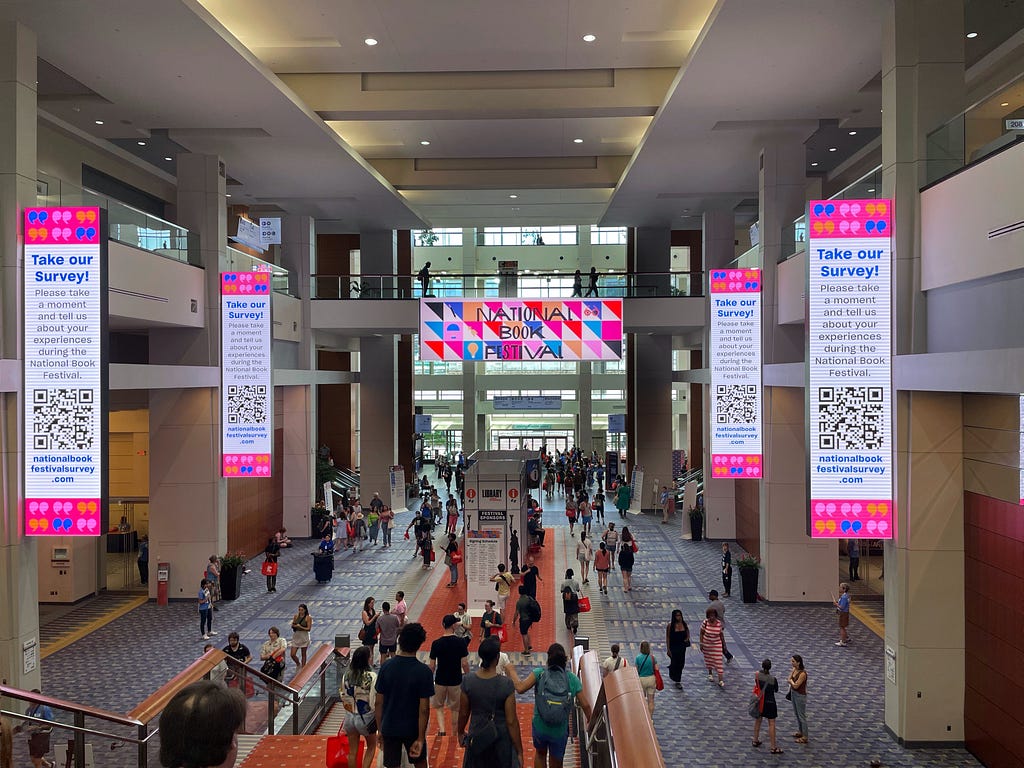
[634,284]
[148,710]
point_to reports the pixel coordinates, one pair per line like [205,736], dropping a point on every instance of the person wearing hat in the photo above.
[449,661]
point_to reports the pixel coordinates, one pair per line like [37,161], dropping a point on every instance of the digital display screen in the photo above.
[64,371]
[849,369]
[247,393]
[735,362]
[521,329]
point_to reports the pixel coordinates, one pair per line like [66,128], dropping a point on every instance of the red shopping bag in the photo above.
[456,557]
[337,751]
[500,632]
[268,568]
[584,604]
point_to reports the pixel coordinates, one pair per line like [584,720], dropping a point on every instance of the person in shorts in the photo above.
[402,708]
[357,697]
[388,625]
[449,661]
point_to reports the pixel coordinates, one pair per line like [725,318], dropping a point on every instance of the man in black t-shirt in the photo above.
[529,579]
[402,709]
[449,660]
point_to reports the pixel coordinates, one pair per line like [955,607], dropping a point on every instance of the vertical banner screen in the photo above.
[247,404]
[849,369]
[735,362]
[64,376]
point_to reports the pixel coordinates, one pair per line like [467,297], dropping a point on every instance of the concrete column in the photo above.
[781,185]
[378,417]
[298,256]
[378,255]
[653,409]
[585,412]
[188,497]
[19,586]
[926,559]
[796,567]
[471,441]
[719,234]
[653,254]
[922,86]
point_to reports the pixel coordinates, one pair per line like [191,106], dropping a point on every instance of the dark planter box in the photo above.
[697,527]
[230,582]
[748,584]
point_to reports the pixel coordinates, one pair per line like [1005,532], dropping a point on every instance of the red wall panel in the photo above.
[994,641]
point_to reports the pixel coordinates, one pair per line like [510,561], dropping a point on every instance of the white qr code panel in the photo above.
[850,418]
[736,404]
[247,404]
[63,419]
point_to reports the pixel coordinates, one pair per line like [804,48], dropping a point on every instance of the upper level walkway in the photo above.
[700,725]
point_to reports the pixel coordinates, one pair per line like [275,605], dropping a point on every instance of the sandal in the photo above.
[776,751]
[755,743]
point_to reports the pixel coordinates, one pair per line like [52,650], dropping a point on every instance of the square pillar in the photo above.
[378,415]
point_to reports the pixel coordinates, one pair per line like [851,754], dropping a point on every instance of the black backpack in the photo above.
[533,609]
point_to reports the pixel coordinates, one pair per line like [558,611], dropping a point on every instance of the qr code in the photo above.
[246,404]
[62,419]
[850,418]
[736,404]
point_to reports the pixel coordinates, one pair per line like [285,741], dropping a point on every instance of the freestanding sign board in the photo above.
[849,369]
[247,394]
[735,362]
[65,373]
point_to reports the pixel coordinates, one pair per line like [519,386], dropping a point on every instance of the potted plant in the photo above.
[231,566]
[696,523]
[750,571]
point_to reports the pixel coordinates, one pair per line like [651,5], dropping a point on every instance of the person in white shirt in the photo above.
[613,662]
[584,553]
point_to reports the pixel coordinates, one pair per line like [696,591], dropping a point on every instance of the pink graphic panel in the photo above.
[62,517]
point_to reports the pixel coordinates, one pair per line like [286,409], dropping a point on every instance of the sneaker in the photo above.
[679,686]
[710,677]
[212,632]
[841,644]
[206,637]
[721,683]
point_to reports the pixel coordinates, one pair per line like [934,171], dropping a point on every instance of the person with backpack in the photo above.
[556,692]
[527,614]
[570,590]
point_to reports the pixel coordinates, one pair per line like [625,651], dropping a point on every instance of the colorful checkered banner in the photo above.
[521,329]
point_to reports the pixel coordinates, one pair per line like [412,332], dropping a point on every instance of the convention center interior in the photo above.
[594,383]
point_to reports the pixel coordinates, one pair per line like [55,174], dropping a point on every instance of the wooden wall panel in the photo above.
[256,504]
[748,516]
[994,640]
[335,419]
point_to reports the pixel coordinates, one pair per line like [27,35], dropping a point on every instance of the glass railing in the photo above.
[989,126]
[235,260]
[535,284]
[794,237]
[126,224]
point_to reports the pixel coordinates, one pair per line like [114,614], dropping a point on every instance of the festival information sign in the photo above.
[485,548]
[65,298]
[247,405]
[521,329]
[735,361]
[849,369]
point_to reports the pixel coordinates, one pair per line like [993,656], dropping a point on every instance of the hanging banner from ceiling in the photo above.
[65,371]
[521,329]
[735,362]
[849,369]
[247,395]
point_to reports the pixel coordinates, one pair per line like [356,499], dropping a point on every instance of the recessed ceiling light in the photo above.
[872,189]
[98,122]
[832,149]
[168,159]
[370,41]
[141,143]
[227,194]
[425,143]
[971,35]
[853,133]
[513,197]
[577,141]
[588,38]
[1005,104]
[814,165]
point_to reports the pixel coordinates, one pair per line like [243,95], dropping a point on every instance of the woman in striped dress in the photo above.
[712,636]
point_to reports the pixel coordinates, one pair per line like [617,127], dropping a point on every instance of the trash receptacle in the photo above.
[584,641]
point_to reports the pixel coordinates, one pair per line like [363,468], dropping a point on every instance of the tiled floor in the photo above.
[122,662]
